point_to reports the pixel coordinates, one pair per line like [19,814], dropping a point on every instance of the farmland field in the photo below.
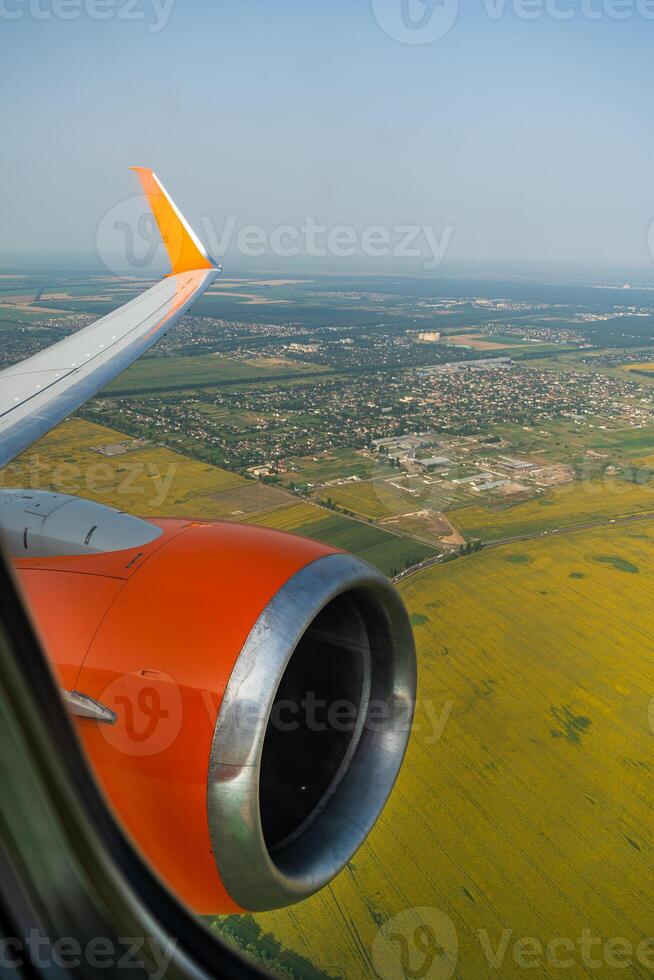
[338,464]
[483,341]
[10,315]
[146,481]
[371,500]
[390,497]
[160,374]
[573,503]
[531,814]
[568,440]
[648,367]
[388,552]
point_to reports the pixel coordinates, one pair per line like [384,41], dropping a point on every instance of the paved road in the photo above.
[571,528]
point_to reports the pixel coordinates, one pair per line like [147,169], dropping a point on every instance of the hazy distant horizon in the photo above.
[530,139]
[37,263]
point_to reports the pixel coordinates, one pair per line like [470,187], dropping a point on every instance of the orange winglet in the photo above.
[185,250]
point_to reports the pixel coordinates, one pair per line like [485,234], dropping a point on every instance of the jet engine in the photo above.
[245,696]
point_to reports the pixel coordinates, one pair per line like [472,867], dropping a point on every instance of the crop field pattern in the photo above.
[574,503]
[525,805]
[388,552]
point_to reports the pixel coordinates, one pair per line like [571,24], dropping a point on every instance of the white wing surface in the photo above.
[41,391]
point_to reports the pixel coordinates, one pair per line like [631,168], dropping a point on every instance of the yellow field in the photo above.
[146,481]
[370,500]
[573,503]
[288,518]
[532,815]
[648,366]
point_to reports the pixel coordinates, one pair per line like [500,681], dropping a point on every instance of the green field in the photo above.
[12,315]
[336,465]
[177,373]
[525,806]
[567,441]
[388,552]
[572,503]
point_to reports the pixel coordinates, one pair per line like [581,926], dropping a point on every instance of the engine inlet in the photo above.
[311,732]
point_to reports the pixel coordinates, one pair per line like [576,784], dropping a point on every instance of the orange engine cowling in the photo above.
[260,691]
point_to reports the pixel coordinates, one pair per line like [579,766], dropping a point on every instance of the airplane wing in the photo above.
[41,391]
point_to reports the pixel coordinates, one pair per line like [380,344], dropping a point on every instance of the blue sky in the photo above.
[531,138]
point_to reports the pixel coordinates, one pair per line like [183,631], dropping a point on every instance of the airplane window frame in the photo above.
[67,870]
